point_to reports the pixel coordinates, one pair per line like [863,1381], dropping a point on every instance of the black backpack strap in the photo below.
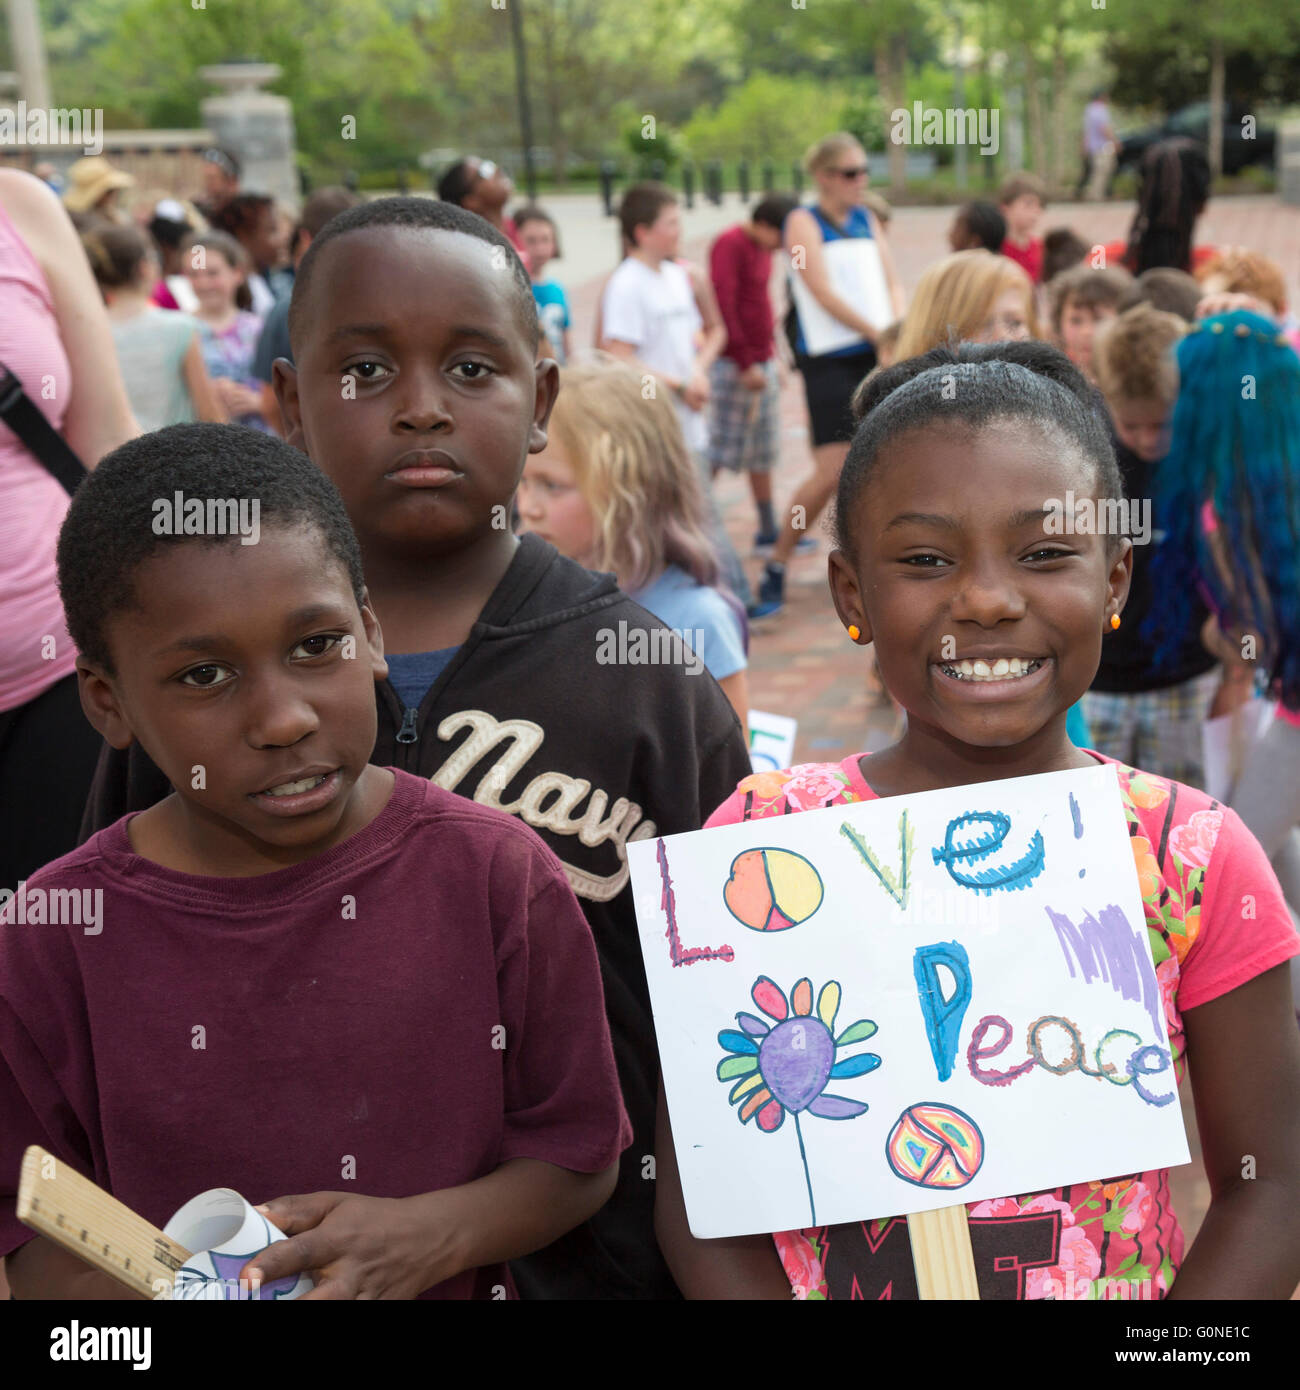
[36,432]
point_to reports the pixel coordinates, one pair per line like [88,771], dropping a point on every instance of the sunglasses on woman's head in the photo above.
[486,169]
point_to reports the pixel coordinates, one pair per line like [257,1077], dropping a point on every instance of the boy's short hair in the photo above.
[772,210]
[1062,248]
[1133,358]
[1247,272]
[641,206]
[1017,185]
[109,533]
[985,222]
[532,212]
[1164,288]
[420,214]
[1088,288]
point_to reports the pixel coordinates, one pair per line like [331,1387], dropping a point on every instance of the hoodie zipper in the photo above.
[408,733]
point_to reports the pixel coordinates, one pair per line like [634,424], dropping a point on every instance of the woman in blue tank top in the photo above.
[838,164]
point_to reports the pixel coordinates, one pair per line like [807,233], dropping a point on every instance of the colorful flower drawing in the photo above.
[784,1065]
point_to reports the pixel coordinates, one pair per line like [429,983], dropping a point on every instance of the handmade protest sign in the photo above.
[906,1004]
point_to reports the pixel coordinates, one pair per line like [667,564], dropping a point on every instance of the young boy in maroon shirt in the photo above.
[744,390]
[306,973]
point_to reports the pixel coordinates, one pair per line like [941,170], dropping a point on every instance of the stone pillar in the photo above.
[254,125]
[1288,162]
[28,50]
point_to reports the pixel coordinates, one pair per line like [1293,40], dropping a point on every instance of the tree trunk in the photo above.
[890,57]
[1216,106]
[1033,110]
[1060,100]
[554,105]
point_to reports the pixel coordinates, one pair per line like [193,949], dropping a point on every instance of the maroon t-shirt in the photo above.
[417,1005]
[740,270]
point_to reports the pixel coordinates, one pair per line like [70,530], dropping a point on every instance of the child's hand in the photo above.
[356,1247]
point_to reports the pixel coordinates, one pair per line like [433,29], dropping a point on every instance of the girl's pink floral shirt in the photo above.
[1216,919]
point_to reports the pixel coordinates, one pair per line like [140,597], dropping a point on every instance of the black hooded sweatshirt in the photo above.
[526,719]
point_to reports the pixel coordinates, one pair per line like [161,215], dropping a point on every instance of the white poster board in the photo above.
[905,1004]
[858,277]
[771,740]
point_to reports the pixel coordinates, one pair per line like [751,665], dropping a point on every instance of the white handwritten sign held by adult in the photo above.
[906,1004]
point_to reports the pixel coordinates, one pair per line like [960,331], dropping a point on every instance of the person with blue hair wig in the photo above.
[1229,490]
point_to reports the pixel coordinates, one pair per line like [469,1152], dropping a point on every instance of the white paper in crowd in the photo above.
[225,1232]
[1226,742]
[771,740]
[904,1004]
[856,274]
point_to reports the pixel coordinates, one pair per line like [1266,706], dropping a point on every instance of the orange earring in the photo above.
[854,631]
[1114,621]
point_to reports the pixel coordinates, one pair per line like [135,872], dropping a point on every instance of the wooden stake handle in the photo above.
[56,1201]
[941,1252]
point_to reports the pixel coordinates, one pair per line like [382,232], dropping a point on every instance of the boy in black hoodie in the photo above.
[417,391]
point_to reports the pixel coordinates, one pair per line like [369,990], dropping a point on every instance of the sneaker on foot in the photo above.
[764,541]
[771,593]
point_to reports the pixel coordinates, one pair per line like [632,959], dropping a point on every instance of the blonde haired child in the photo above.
[616,489]
[973,295]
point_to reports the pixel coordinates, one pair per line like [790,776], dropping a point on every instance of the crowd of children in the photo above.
[362,811]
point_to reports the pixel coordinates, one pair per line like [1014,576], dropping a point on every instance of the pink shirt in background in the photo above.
[35,649]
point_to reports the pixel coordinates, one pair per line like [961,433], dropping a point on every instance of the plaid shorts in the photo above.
[744,425]
[1156,731]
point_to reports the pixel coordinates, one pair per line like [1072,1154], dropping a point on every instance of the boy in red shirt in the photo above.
[1021,200]
[303,971]
[745,392]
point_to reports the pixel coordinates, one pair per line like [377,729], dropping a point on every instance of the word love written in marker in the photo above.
[682,955]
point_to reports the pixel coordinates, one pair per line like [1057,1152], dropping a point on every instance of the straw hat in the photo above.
[89,179]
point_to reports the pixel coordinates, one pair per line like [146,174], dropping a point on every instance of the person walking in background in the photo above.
[745,389]
[53,332]
[542,242]
[157,349]
[1098,146]
[838,165]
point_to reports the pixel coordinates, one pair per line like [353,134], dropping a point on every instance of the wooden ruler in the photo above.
[57,1202]
[945,1265]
